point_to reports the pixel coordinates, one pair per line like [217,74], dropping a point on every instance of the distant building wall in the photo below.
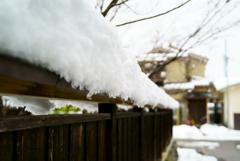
[196,68]
[176,72]
[234,103]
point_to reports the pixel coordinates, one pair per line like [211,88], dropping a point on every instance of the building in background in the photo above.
[184,80]
[234,102]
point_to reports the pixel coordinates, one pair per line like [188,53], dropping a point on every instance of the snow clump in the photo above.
[74,40]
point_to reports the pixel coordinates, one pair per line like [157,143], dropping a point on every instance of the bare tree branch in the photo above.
[147,18]
[111,5]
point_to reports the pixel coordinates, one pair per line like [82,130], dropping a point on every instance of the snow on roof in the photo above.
[195,81]
[200,81]
[221,83]
[179,86]
[74,40]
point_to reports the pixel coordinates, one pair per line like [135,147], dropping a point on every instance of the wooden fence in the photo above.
[126,136]
[106,136]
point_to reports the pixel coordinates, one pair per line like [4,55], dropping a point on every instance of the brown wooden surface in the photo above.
[102,140]
[31,145]
[136,138]
[129,139]
[58,143]
[91,141]
[7,146]
[26,122]
[77,143]
[125,139]
[119,139]
[127,114]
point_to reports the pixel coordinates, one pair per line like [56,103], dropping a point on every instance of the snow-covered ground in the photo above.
[206,137]
[206,132]
[192,155]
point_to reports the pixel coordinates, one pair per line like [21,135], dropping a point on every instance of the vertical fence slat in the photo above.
[101,141]
[58,143]
[6,146]
[77,143]
[129,139]
[119,140]
[125,142]
[91,141]
[31,144]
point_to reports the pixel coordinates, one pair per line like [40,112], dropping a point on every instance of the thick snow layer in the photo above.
[192,155]
[206,132]
[74,40]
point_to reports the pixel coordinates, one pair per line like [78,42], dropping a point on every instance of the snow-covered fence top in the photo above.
[73,40]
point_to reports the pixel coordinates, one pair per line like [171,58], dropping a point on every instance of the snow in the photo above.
[187,132]
[221,83]
[192,155]
[74,40]
[206,132]
[195,81]
[180,86]
[219,132]
[199,144]
[44,106]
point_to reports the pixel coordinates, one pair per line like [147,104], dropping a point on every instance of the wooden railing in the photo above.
[108,135]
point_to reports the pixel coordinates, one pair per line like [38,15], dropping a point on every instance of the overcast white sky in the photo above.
[140,37]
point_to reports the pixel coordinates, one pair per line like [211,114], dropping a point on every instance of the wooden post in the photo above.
[111,130]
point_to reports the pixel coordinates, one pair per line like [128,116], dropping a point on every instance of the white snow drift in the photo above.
[71,38]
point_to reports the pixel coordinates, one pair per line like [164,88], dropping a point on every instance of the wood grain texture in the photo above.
[119,140]
[91,141]
[77,142]
[102,140]
[7,146]
[31,145]
[58,143]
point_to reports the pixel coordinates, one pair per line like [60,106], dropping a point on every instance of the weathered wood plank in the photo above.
[7,146]
[28,122]
[16,87]
[31,145]
[125,139]
[58,143]
[119,140]
[91,141]
[129,136]
[148,137]
[77,142]
[101,140]
[141,136]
